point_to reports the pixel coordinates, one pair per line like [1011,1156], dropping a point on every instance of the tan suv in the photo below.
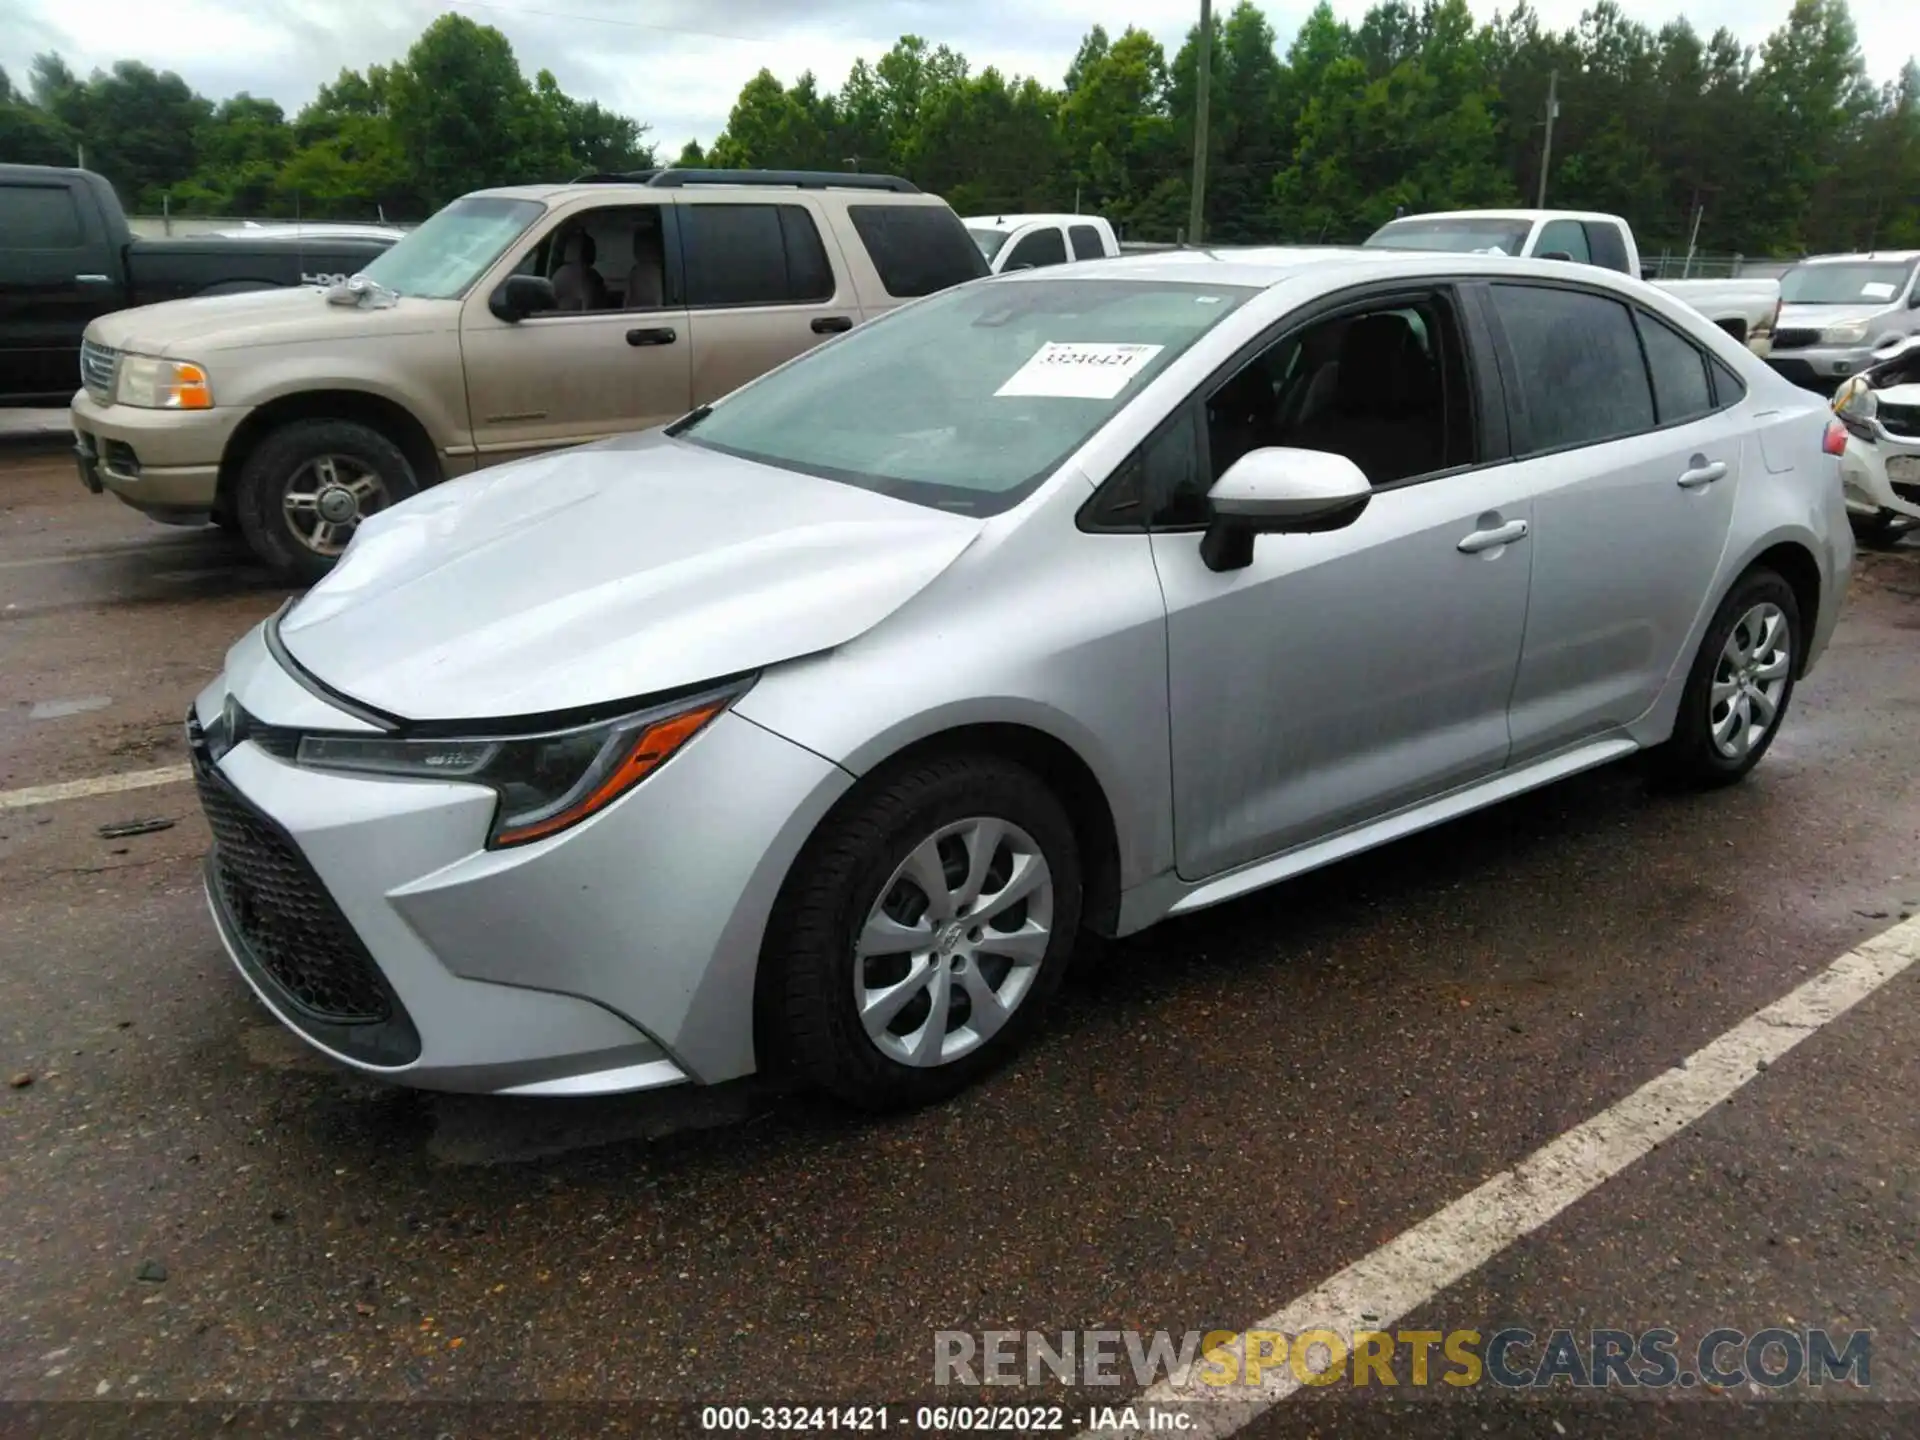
[512,321]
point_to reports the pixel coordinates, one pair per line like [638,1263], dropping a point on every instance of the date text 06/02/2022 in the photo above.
[960,1419]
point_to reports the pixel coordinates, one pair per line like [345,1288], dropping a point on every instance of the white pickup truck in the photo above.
[1026,242]
[1745,309]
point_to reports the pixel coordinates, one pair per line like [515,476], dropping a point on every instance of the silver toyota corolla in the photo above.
[809,731]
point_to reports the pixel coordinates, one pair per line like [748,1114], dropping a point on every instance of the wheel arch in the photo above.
[376,412]
[1793,562]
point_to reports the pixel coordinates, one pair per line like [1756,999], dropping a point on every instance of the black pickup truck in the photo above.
[67,255]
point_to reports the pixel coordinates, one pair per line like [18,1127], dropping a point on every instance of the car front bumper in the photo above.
[1820,367]
[1881,474]
[163,462]
[619,955]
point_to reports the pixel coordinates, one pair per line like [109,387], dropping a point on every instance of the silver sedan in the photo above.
[809,732]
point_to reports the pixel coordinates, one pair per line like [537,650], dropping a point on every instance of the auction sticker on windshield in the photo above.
[1080,370]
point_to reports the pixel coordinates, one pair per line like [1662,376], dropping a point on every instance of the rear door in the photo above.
[1632,452]
[565,377]
[761,287]
[56,274]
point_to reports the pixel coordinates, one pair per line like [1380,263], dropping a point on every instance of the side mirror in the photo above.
[1649,273]
[1280,491]
[519,296]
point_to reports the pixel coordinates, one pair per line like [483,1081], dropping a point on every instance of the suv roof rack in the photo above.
[675,178]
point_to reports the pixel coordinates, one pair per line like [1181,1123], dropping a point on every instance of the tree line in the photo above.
[1778,149]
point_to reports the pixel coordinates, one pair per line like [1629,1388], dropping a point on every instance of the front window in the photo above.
[1867,282]
[454,248]
[968,400]
[989,241]
[1482,235]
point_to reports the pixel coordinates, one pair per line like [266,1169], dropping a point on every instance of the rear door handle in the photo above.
[1491,539]
[1699,473]
[832,324]
[661,336]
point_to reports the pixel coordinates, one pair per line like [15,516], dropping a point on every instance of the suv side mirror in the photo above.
[519,296]
[1280,491]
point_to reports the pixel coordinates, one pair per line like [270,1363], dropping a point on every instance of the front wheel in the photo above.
[1741,682]
[305,489]
[923,931]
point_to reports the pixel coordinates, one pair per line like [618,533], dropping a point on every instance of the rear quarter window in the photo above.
[917,249]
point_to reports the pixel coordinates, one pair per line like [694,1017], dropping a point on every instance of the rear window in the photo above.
[1475,234]
[39,217]
[917,249]
[753,255]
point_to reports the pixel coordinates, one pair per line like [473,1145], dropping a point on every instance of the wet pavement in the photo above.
[1224,1111]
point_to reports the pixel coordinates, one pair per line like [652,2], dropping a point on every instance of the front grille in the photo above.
[1795,339]
[282,911]
[97,366]
[1902,420]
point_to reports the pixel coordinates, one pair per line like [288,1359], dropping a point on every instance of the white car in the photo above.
[1031,242]
[1881,470]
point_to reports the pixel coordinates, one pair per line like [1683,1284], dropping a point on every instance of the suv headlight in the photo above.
[546,783]
[154,384]
[1850,332]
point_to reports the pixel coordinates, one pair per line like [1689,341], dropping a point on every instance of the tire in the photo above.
[224,520]
[858,860]
[325,460]
[1704,753]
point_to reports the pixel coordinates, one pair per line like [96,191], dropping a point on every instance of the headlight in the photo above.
[546,783]
[1850,333]
[153,384]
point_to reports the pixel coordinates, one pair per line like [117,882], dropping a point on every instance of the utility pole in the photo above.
[1196,213]
[1546,151]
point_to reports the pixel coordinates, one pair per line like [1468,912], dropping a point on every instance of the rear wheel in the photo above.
[923,931]
[1882,528]
[305,489]
[1741,682]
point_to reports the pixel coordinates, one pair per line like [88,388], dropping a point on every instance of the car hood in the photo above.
[605,573]
[1819,317]
[208,324]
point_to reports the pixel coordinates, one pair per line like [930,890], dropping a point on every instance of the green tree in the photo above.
[464,114]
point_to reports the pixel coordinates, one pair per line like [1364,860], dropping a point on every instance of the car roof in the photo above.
[549,193]
[1529,216]
[1011,221]
[1887,256]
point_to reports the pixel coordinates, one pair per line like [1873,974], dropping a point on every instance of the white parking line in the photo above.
[1415,1266]
[97,785]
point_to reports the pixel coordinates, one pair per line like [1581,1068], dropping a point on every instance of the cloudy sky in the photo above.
[678,64]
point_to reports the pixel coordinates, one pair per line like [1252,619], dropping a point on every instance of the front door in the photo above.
[598,367]
[1345,675]
[60,275]
[1632,447]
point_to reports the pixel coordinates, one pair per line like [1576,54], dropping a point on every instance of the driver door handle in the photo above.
[1491,539]
[832,324]
[1699,473]
[661,336]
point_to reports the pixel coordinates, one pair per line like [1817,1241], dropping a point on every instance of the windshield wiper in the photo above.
[687,421]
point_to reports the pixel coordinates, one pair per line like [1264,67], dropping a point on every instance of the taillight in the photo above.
[1835,442]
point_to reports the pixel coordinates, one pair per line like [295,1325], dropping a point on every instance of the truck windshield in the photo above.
[966,401]
[989,241]
[451,250]
[1506,237]
[1866,282]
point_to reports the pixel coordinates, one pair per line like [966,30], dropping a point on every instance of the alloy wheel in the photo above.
[326,498]
[954,943]
[1750,680]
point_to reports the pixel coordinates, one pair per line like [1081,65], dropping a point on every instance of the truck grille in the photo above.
[281,910]
[97,366]
[1901,420]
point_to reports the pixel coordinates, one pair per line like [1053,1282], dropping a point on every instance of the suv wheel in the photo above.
[304,490]
[922,932]
[1740,685]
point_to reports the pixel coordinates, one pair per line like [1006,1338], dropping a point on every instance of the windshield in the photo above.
[966,401]
[989,241]
[453,249]
[1854,283]
[1506,237]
